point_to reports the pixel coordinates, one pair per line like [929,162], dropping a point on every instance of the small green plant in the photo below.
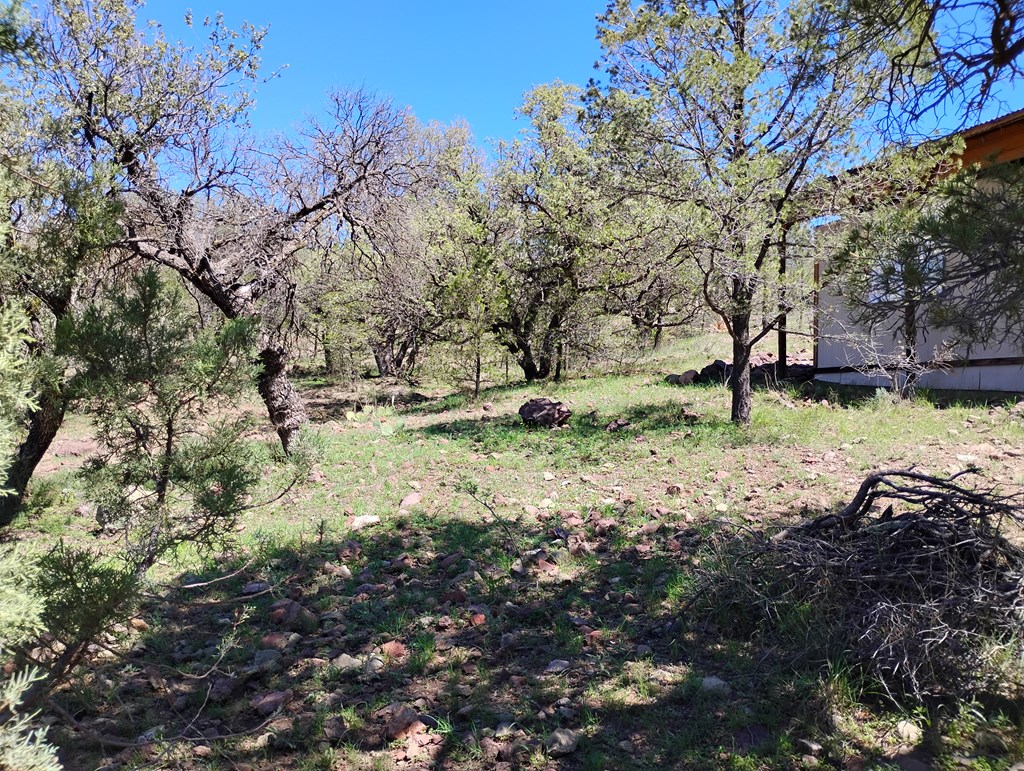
[423,647]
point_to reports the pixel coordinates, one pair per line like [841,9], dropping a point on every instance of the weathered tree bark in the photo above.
[534,367]
[284,405]
[783,332]
[394,357]
[43,424]
[477,369]
[742,398]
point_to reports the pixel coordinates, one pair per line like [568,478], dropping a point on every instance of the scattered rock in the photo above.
[347,663]
[342,571]
[366,520]
[412,499]
[394,649]
[270,703]
[255,587]
[808,747]
[225,687]
[334,728]
[715,685]
[561,742]
[685,378]
[292,615]
[267,660]
[139,625]
[556,667]
[278,640]
[349,550]
[909,732]
[487,407]
[374,664]
[617,425]
[405,722]
[545,413]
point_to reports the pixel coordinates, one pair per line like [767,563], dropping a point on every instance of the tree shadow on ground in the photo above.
[859,396]
[491,633]
[461,399]
[323,403]
[591,430]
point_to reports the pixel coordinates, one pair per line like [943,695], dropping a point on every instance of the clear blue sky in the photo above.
[445,59]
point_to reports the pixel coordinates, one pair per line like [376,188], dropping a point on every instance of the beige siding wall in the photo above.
[835,350]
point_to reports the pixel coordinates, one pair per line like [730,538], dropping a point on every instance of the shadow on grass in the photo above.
[472,629]
[459,400]
[855,396]
[589,431]
[325,404]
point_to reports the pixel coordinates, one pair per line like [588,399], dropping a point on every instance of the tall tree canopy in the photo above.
[745,116]
[168,124]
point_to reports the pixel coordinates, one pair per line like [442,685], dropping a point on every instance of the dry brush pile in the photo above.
[918,582]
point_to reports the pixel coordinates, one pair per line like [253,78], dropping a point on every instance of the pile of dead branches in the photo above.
[919,582]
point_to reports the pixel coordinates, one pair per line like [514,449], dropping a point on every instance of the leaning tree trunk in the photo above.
[284,405]
[43,424]
[742,398]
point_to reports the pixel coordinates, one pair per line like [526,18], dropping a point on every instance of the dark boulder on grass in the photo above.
[544,412]
[686,378]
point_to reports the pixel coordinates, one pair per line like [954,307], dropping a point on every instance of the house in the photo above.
[989,367]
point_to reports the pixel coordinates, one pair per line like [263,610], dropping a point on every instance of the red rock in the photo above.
[404,723]
[270,703]
[412,499]
[451,560]
[394,649]
[278,640]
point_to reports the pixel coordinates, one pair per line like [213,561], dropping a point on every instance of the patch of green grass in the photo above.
[423,647]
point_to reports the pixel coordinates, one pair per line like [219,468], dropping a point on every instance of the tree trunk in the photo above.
[742,399]
[284,405]
[385,360]
[44,423]
[534,368]
[476,373]
[780,367]
[910,373]
[530,370]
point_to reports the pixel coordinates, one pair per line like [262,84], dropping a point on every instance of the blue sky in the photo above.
[445,59]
